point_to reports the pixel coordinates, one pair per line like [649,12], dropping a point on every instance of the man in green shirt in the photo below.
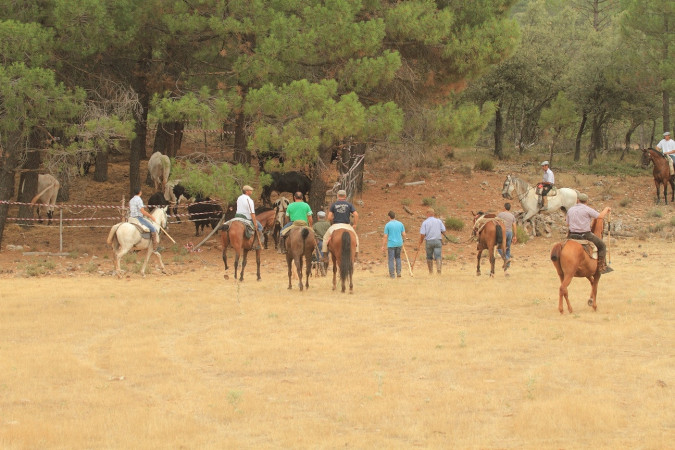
[299,214]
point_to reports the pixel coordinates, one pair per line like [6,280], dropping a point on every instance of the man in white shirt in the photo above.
[546,183]
[667,147]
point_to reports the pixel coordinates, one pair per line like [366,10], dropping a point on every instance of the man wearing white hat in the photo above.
[667,147]
[546,183]
[246,207]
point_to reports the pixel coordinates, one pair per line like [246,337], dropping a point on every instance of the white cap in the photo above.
[321,214]
[545,163]
[667,133]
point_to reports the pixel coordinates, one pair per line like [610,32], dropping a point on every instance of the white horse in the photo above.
[125,236]
[529,200]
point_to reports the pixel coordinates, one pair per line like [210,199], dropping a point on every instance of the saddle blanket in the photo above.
[590,247]
[142,228]
[248,231]
[296,224]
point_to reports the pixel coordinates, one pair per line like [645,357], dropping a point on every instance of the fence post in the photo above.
[60,230]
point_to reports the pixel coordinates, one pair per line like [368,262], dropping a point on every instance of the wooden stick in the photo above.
[167,234]
[609,238]
[406,258]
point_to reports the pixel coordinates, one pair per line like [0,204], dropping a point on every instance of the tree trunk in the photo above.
[168,138]
[8,165]
[499,126]
[317,191]
[580,133]
[137,151]
[101,170]
[28,181]
[626,141]
[241,153]
[596,139]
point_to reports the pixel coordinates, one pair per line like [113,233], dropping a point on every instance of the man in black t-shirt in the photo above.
[340,215]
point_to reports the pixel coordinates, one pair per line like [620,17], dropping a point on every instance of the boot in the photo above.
[603,267]
[155,238]
[439,263]
[430,265]
[324,258]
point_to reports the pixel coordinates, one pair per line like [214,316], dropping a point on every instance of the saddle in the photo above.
[248,231]
[296,224]
[588,246]
[552,193]
[145,231]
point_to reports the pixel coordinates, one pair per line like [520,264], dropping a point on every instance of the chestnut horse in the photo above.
[267,219]
[661,173]
[342,247]
[491,235]
[571,260]
[300,242]
[232,233]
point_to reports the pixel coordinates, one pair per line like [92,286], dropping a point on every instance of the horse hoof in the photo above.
[226,276]
[477,274]
[590,302]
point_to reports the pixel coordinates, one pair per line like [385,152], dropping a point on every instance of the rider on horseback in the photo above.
[579,218]
[137,211]
[667,147]
[546,183]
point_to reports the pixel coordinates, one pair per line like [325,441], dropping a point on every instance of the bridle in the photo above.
[509,182]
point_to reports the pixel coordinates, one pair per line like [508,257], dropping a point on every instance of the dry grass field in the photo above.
[196,361]
[191,360]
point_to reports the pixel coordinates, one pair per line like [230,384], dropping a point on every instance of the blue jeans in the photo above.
[434,248]
[394,254]
[509,238]
[147,223]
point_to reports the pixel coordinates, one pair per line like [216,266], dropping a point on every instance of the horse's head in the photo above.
[645,158]
[507,188]
[161,217]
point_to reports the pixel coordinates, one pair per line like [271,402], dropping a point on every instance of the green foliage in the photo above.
[656,212]
[428,201]
[624,202]
[522,235]
[454,223]
[222,181]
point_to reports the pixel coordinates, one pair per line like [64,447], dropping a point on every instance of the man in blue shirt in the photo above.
[137,211]
[394,233]
[341,214]
[430,231]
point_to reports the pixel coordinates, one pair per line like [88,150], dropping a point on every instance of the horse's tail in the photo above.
[346,258]
[555,252]
[305,233]
[112,236]
[499,235]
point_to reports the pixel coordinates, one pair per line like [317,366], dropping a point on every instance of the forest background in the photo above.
[298,85]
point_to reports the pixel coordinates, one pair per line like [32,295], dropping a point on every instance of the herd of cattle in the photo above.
[202,210]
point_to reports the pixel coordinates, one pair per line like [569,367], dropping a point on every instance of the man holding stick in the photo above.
[394,234]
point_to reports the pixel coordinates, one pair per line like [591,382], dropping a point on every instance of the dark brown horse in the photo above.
[267,219]
[571,260]
[491,235]
[233,234]
[661,173]
[342,247]
[300,242]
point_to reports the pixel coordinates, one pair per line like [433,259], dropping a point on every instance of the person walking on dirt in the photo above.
[510,228]
[430,233]
[341,214]
[394,234]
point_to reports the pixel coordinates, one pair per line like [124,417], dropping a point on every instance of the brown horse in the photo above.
[571,260]
[233,234]
[268,219]
[342,247]
[300,242]
[661,173]
[491,235]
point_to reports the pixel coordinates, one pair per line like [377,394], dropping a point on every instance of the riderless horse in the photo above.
[300,242]
[233,232]
[342,247]
[126,236]
[570,260]
[661,173]
[490,233]
[564,198]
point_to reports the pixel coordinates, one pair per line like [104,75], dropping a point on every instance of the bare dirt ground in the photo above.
[191,360]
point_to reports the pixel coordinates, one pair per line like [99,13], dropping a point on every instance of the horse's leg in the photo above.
[672,190]
[334,271]
[658,192]
[567,279]
[351,272]
[147,258]
[308,269]
[594,280]
[298,266]
[159,257]
[491,255]
[289,262]
[236,262]
[243,264]
[257,263]
[478,262]
[665,191]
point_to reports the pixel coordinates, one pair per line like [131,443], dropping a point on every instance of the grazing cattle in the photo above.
[159,167]
[175,194]
[47,191]
[157,199]
[286,182]
[204,212]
